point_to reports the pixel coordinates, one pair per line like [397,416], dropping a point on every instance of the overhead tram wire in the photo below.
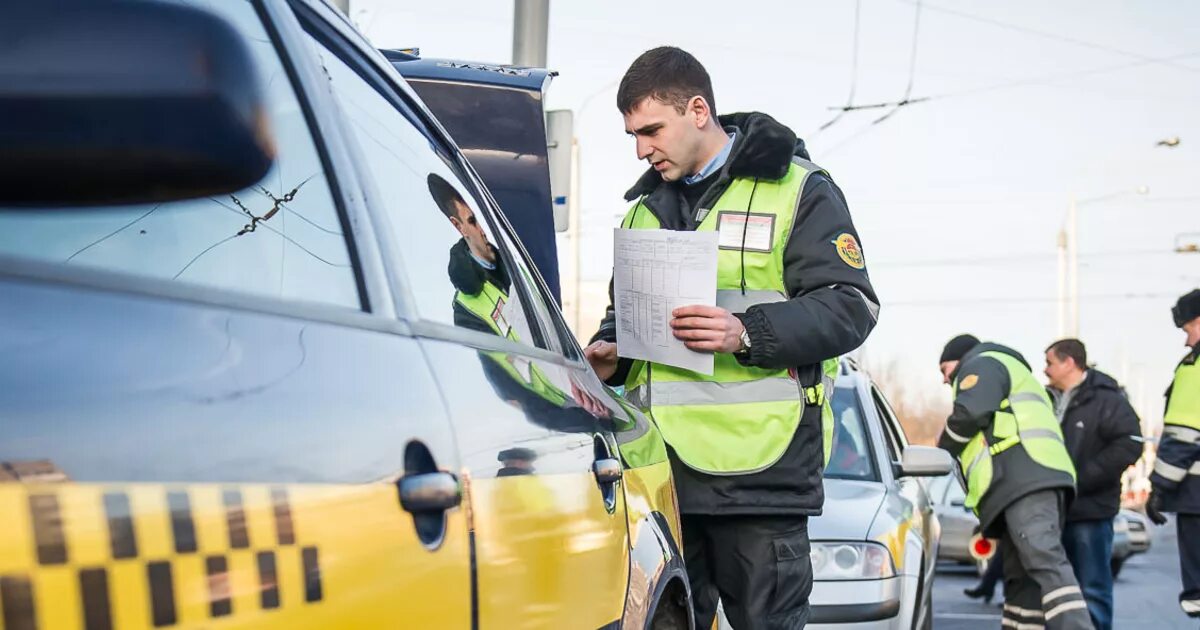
[903,102]
[912,68]
[1051,36]
[853,74]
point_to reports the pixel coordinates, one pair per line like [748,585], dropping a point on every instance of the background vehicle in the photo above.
[237,385]
[873,547]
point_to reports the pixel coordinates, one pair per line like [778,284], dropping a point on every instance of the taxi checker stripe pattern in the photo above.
[47,529]
[53,548]
[93,584]
[16,598]
[183,529]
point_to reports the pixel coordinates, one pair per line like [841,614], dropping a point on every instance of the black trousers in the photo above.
[1187,526]
[1040,589]
[758,567]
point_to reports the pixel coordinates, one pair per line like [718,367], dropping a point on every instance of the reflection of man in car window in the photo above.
[475,268]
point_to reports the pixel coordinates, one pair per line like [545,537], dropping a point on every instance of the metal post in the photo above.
[531,25]
[1073,249]
[1062,283]
[575,231]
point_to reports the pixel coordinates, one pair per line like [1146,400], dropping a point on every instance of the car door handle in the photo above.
[429,492]
[607,470]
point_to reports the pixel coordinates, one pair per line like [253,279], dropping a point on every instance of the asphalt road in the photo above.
[1146,593]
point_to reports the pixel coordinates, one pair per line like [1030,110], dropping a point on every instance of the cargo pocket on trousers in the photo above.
[793,581]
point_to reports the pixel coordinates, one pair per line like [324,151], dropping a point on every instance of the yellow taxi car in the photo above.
[274,358]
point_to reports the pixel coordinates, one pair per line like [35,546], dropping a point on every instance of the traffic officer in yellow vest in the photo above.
[1176,476]
[747,443]
[1019,478]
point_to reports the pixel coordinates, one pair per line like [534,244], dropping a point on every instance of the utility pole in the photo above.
[531,26]
[1073,249]
[1062,283]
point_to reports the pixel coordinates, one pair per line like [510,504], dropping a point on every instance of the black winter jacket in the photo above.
[1101,430]
[831,310]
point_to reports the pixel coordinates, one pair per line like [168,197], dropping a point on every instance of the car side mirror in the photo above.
[107,102]
[925,461]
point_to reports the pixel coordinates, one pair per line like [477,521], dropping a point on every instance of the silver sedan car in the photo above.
[874,547]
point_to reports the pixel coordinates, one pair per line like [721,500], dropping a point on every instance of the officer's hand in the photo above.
[1154,509]
[707,328]
[603,357]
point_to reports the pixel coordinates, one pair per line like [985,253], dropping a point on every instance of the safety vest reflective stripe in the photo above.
[956,437]
[1025,397]
[1007,443]
[1175,473]
[712,392]
[1186,435]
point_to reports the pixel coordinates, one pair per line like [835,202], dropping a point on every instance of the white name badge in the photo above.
[754,232]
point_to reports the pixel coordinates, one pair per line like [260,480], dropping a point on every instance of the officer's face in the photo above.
[468,225]
[947,368]
[668,140]
[1192,329]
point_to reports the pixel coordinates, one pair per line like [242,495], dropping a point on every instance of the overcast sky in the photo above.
[958,199]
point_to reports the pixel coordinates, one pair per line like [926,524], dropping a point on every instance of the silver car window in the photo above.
[850,456]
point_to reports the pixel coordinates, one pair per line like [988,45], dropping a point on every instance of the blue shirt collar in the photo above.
[713,165]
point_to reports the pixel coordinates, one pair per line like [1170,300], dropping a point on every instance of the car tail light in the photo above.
[982,548]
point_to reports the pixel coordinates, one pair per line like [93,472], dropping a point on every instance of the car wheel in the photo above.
[1116,565]
[669,615]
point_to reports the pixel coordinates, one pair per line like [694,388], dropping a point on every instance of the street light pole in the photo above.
[1068,259]
[531,25]
[1073,248]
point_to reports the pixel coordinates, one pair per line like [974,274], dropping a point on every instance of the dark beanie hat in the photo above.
[1187,308]
[958,347]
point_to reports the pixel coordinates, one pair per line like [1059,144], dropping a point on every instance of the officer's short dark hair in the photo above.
[1073,348]
[444,195]
[667,74]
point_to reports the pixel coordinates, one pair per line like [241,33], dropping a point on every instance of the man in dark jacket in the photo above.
[745,531]
[1102,434]
[1019,478]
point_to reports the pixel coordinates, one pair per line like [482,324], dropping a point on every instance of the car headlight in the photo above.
[851,561]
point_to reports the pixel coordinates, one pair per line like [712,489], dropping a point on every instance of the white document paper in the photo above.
[655,272]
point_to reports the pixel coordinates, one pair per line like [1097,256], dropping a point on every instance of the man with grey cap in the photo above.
[1176,477]
[1019,478]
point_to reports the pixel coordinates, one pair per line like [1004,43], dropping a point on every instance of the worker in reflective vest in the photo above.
[747,443]
[1176,476]
[1019,478]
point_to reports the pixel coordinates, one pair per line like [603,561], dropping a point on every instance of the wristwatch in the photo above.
[745,337]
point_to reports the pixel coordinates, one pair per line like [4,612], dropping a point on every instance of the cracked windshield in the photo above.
[281,237]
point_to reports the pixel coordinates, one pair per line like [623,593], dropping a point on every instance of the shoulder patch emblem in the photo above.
[969,381]
[849,251]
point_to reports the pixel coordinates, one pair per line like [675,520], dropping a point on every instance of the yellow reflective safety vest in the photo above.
[1183,407]
[1025,419]
[740,419]
[488,306]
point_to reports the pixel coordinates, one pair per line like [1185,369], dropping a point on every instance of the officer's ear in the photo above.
[699,111]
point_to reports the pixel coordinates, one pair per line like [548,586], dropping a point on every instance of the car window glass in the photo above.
[544,307]
[452,260]
[850,456]
[891,420]
[281,238]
